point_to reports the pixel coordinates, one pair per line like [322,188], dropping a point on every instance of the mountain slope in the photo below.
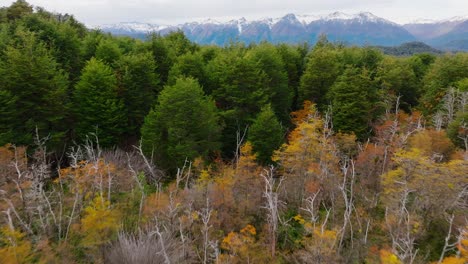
[361,28]
[450,34]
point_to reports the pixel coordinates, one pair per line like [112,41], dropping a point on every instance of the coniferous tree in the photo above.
[321,71]
[188,65]
[139,86]
[108,51]
[353,98]
[163,56]
[183,124]
[270,62]
[18,9]
[31,81]
[7,117]
[265,134]
[97,106]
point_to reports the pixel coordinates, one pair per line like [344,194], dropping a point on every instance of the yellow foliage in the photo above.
[248,230]
[454,260]
[247,163]
[426,178]
[99,224]
[15,248]
[387,257]
[432,142]
[299,219]
[204,178]
[240,245]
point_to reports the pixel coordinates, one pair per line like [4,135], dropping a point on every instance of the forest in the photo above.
[118,150]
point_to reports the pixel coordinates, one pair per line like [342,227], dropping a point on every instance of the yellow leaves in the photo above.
[432,142]
[99,224]
[248,230]
[204,178]
[247,163]
[454,260]
[387,257]
[299,219]
[240,245]
[15,248]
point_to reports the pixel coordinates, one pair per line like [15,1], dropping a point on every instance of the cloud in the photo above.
[177,11]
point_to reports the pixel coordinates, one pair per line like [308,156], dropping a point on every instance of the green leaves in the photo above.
[97,106]
[184,124]
[266,135]
[353,98]
[33,85]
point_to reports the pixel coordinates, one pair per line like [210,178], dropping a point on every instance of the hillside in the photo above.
[354,29]
[117,150]
[408,49]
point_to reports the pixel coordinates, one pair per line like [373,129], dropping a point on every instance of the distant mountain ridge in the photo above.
[362,28]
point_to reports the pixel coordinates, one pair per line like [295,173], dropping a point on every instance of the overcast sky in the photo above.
[97,12]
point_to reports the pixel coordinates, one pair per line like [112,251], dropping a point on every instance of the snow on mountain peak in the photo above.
[361,17]
[455,19]
[433,21]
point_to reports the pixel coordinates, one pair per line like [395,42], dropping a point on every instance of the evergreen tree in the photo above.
[353,98]
[398,79]
[19,9]
[7,117]
[445,72]
[97,106]
[31,82]
[321,70]
[268,60]
[163,56]
[139,86]
[241,91]
[265,134]
[183,124]
[293,65]
[108,51]
[188,65]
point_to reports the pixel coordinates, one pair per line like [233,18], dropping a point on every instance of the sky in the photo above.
[169,12]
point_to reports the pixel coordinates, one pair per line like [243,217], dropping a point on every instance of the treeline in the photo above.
[118,150]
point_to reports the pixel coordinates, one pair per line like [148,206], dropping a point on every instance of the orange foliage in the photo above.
[304,114]
[433,144]
[242,247]
[88,176]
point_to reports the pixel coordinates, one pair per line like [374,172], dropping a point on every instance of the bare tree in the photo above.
[272,204]
[205,215]
[347,190]
[400,229]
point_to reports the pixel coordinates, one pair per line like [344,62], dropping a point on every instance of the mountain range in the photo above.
[362,28]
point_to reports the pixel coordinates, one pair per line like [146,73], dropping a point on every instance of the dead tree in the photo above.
[272,204]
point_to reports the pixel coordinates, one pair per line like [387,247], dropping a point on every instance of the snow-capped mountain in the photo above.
[449,33]
[361,28]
